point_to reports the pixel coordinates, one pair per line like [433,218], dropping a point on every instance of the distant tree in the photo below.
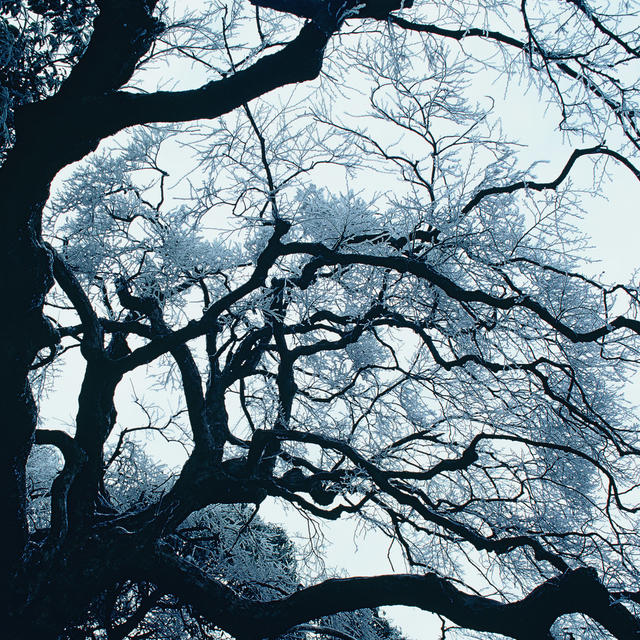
[422,349]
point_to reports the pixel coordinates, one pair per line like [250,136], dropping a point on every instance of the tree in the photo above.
[228,542]
[432,357]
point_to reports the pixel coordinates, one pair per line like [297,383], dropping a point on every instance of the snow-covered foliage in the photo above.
[370,301]
[230,543]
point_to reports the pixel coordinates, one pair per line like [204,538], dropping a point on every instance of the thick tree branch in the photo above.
[123,32]
[74,459]
[575,591]
[203,435]
[93,334]
[298,61]
[313,9]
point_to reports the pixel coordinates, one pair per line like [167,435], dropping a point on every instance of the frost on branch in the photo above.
[346,280]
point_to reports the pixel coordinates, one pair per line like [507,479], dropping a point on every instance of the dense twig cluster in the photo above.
[429,358]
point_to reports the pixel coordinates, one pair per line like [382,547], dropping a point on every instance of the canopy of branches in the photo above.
[305,256]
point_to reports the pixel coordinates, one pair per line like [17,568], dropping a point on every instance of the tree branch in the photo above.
[93,334]
[553,184]
[74,459]
[575,591]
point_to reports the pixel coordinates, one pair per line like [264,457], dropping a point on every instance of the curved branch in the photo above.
[401,264]
[553,184]
[203,434]
[575,591]
[74,460]
[93,335]
[300,60]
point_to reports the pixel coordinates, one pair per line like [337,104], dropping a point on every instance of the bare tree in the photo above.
[426,354]
[230,543]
